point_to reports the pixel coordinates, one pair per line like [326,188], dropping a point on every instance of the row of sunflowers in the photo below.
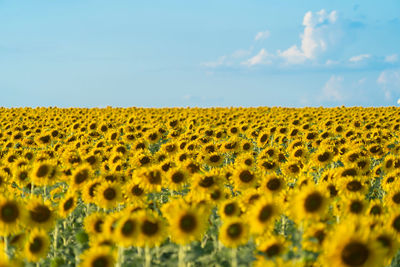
[194,187]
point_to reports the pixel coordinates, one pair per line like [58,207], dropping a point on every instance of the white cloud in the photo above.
[359,58]
[262,35]
[261,58]
[398,101]
[315,38]
[391,58]
[332,89]
[389,80]
[293,55]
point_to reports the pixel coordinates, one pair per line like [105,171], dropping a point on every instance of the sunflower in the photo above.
[214,159]
[152,229]
[348,246]
[395,223]
[40,214]
[244,178]
[93,224]
[108,195]
[229,208]
[246,159]
[21,177]
[134,192]
[392,199]
[309,203]
[314,236]
[150,178]
[11,216]
[37,245]
[68,204]
[354,206]
[177,178]
[187,224]
[89,190]
[204,183]
[351,186]
[272,246]
[388,241]
[234,232]
[80,176]
[98,256]
[41,172]
[292,168]
[322,157]
[126,230]
[262,215]
[273,184]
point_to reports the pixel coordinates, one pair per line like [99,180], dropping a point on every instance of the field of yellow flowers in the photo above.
[199,187]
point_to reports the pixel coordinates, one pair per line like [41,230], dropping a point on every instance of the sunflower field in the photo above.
[199,187]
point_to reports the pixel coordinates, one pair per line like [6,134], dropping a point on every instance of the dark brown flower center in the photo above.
[137,191]
[36,245]
[265,213]
[128,227]
[207,181]
[177,177]
[187,223]
[154,177]
[354,186]
[246,176]
[356,206]
[274,184]
[396,223]
[355,254]
[215,158]
[396,198]
[109,193]
[81,176]
[235,230]
[9,212]
[42,171]
[101,261]
[149,228]
[40,214]
[68,204]
[273,250]
[313,202]
[324,157]
[229,209]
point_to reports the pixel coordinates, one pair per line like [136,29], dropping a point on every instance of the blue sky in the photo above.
[82,53]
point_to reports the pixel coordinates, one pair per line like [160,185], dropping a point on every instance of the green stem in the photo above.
[55,237]
[283,225]
[120,256]
[147,257]
[234,262]
[181,256]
